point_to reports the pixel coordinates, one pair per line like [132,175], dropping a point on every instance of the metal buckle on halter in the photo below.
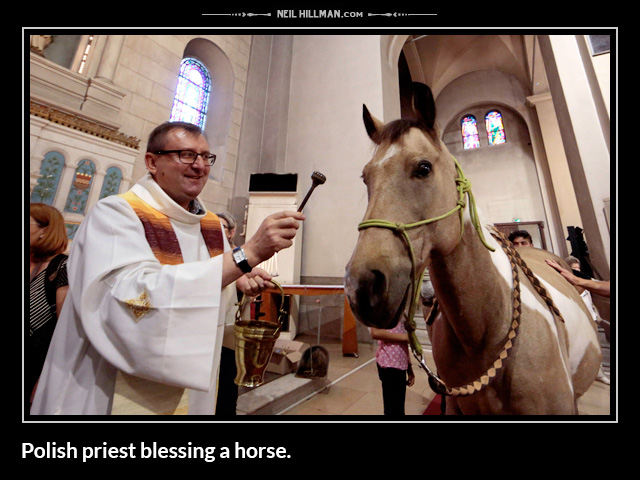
[435,383]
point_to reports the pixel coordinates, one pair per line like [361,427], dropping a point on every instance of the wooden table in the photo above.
[349,337]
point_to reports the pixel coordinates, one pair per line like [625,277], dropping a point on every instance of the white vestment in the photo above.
[176,342]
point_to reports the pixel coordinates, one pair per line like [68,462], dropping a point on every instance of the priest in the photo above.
[146,273]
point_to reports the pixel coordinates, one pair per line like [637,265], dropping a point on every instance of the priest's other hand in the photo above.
[254,282]
[274,234]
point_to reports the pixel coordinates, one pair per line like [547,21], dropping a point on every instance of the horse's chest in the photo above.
[535,375]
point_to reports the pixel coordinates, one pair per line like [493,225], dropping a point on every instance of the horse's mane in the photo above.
[393,131]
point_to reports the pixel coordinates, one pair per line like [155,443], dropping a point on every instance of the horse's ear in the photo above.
[372,124]
[424,107]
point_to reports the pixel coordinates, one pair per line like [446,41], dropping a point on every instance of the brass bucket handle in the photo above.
[281,313]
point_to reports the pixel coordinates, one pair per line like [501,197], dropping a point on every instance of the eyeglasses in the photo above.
[189,157]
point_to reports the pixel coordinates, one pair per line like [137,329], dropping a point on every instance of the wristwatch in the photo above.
[241,260]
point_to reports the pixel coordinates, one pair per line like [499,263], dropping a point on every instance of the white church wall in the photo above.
[331,77]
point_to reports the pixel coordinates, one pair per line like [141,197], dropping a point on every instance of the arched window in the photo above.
[192,93]
[469,129]
[50,173]
[111,184]
[79,191]
[495,128]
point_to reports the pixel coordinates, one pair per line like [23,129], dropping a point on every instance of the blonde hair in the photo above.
[54,239]
[572,260]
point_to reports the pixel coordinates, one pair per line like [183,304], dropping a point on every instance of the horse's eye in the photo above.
[423,169]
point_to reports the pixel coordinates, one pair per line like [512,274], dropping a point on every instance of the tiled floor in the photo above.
[356,389]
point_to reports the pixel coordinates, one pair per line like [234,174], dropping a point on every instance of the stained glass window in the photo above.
[50,173]
[79,191]
[495,128]
[111,183]
[470,137]
[192,93]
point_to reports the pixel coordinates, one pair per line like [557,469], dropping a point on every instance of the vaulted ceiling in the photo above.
[437,60]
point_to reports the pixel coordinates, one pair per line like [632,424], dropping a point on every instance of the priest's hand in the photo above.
[275,233]
[253,283]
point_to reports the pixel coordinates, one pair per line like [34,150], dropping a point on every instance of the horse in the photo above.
[510,334]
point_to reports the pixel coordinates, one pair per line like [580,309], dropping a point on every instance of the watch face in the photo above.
[238,255]
[241,260]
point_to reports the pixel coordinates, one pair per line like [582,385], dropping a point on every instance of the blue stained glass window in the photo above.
[50,173]
[111,184]
[470,137]
[191,99]
[495,128]
[79,191]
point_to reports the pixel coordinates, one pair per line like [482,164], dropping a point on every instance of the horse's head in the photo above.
[410,178]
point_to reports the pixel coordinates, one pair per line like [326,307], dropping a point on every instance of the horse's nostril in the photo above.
[379,285]
[372,289]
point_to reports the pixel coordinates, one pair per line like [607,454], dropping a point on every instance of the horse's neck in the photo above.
[472,291]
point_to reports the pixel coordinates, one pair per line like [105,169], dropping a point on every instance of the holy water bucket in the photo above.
[254,345]
[255,340]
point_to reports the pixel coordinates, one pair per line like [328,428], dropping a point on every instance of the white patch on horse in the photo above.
[581,333]
[391,151]
[503,265]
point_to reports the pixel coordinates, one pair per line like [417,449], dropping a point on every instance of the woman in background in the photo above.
[48,286]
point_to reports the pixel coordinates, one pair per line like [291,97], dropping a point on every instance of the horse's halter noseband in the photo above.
[463,186]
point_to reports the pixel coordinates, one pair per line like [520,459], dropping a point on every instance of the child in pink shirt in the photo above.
[394,367]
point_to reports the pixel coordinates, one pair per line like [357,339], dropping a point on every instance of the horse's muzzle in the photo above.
[371,298]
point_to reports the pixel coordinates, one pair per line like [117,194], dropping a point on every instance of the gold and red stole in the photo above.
[161,237]
[129,390]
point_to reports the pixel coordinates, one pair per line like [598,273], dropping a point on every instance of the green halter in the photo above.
[463,186]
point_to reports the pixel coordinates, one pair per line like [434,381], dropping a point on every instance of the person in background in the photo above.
[574,264]
[602,288]
[48,286]
[229,224]
[521,238]
[394,367]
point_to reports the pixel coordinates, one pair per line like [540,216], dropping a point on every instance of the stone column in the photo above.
[103,98]
[584,129]
[110,57]
[565,194]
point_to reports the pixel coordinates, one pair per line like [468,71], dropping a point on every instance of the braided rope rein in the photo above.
[535,282]
[515,261]
[491,373]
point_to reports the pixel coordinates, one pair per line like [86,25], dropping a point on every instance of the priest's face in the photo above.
[182,182]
